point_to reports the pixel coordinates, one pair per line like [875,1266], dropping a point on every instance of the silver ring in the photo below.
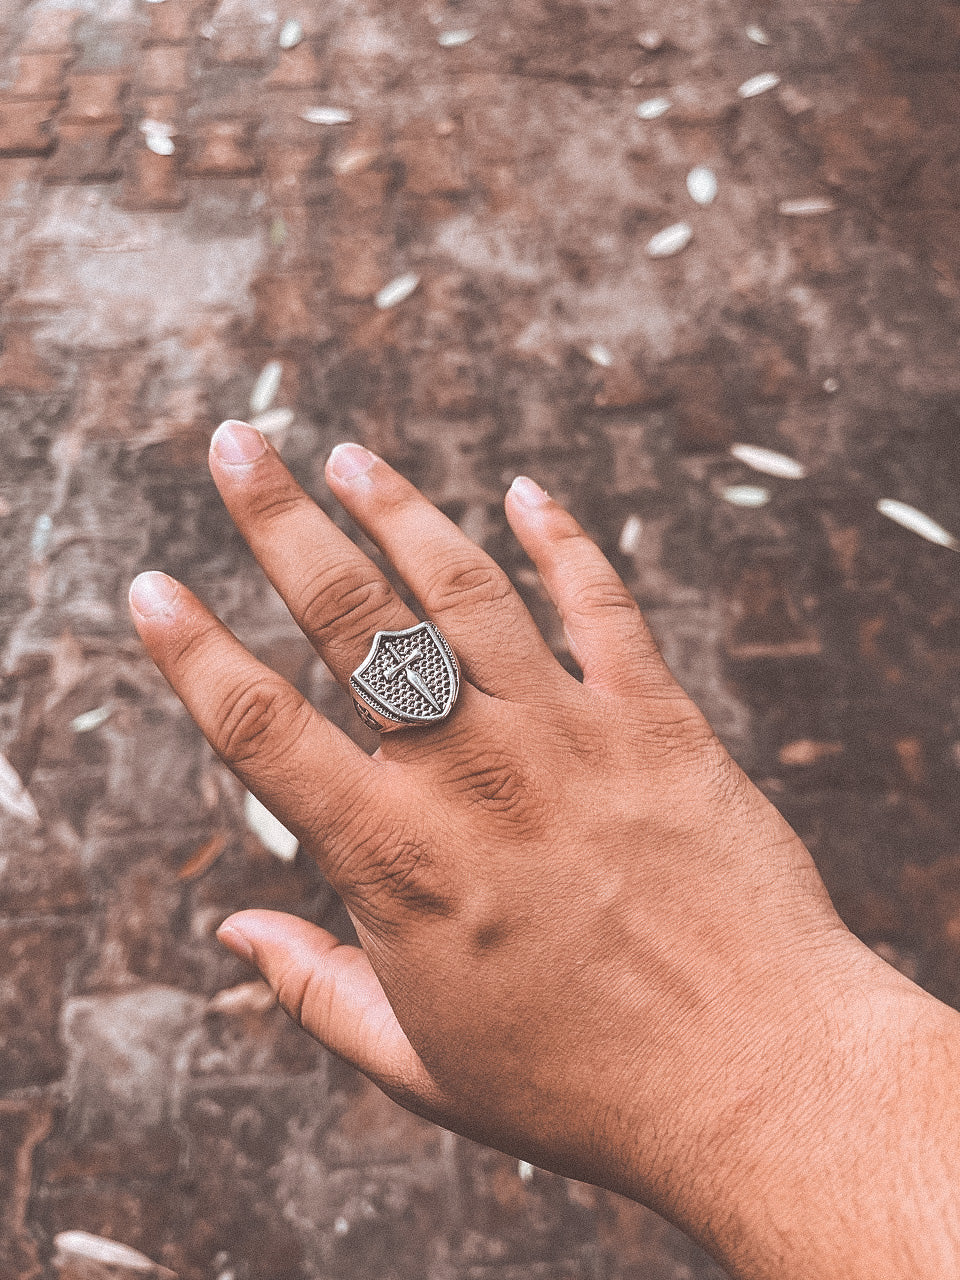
[408,678]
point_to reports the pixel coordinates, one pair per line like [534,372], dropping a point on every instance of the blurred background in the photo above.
[602,243]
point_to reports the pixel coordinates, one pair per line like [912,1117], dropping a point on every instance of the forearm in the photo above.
[838,1157]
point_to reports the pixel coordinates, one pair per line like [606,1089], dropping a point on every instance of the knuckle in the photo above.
[260,722]
[342,605]
[292,988]
[468,583]
[273,503]
[189,646]
[500,784]
[604,595]
[387,869]
[676,732]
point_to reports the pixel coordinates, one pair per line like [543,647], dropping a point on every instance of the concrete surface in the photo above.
[143,293]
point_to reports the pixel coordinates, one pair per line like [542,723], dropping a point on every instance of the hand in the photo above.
[587,939]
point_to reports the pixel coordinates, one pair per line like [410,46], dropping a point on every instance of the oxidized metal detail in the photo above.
[408,678]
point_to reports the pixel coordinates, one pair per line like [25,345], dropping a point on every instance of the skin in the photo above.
[586,938]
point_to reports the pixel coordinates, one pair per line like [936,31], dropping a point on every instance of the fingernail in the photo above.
[528,493]
[235,941]
[350,461]
[152,594]
[237,444]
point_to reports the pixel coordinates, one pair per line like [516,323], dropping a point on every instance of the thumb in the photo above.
[330,988]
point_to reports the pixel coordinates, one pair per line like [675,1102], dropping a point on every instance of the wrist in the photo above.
[820,1144]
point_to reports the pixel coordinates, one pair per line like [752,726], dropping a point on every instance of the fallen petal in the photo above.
[702,185]
[397,291]
[157,126]
[746,495]
[923,525]
[83,1244]
[326,115]
[40,536]
[14,797]
[161,144]
[270,831]
[768,461]
[266,387]
[653,108]
[274,421]
[291,33]
[758,36]
[630,536]
[806,207]
[670,241]
[651,41]
[600,355]
[454,39]
[756,85]
[90,720]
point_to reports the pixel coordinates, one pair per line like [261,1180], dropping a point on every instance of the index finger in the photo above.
[317,782]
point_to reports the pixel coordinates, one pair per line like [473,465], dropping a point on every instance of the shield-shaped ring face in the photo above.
[408,677]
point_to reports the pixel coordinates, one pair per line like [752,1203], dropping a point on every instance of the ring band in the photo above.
[408,678]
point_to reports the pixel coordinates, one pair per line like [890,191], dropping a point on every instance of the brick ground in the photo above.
[143,293]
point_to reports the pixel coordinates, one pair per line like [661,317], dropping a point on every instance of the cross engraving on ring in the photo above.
[402,662]
[414,677]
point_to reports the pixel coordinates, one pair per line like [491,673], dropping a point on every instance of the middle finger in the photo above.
[338,596]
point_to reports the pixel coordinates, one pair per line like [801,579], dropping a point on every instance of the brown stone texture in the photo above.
[148,1094]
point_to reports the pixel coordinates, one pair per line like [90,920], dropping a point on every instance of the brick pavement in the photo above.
[145,284]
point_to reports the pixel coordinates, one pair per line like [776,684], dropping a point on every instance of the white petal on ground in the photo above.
[397,291]
[14,796]
[99,1248]
[651,40]
[806,207]
[670,240]
[90,720]
[270,831]
[266,387]
[746,495]
[702,184]
[40,536]
[353,160]
[454,39]
[653,108]
[831,386]
[923,525]
[157,126]
[82,1244]
[630,536]
[273,421]
[291,33]
[326,115]
[757,35]
[769,461]
[600,355]
[161,144]
[756,85]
